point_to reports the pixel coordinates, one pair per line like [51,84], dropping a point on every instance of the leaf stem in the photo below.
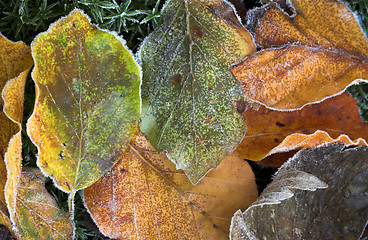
[71,204]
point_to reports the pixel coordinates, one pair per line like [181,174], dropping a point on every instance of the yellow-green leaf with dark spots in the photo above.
[88,101]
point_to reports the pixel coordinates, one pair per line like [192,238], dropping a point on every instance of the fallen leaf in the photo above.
[88,101]
[13,95]
[306,58]
[271,132]
[37,215]
[145,197]
[14,67]
[339,211]
[188,93]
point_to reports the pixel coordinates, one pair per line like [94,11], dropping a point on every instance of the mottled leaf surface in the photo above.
[88,102]
[189,94]
[339,211]
[14,67]
[271,132]
[306,58]
[37,215]
[145,197]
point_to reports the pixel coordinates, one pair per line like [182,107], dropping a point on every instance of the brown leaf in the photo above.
[268,130]
[145,197]
[320,51]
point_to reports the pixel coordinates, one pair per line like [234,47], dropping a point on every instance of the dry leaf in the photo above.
[311,56]
[269,130]
[336,209]
[88,101]
[145,197]
[188,92]
[16,63]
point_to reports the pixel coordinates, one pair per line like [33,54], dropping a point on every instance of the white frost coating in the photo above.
[285,180]
[288,148]
[239,225]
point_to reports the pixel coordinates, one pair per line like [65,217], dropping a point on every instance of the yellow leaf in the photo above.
[88,86]
[14,67]
[145,197]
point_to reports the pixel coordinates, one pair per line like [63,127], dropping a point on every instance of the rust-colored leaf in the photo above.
[145,197]
[308,57]
[14,67]
[37,215]
[88,101]
[268,130]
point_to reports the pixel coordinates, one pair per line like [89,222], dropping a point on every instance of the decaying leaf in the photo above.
[145,197]
[269,130]
[37,215]
[13,96]
[88,101]
[339,211]
[189,94]
[306,58]
[14,67]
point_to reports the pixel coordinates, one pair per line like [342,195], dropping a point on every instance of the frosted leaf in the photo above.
[297,205]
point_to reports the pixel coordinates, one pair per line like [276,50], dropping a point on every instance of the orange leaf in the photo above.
[145,197]
[269,130]
[14,67]
[321,51]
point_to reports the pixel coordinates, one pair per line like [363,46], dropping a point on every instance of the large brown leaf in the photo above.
[306,58]
[145,197]
[269,130]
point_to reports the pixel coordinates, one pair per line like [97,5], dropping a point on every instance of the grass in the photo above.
[132,19]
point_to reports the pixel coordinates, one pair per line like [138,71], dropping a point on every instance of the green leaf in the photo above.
[188,92]
[320,193]
[360,93]
[88,102]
